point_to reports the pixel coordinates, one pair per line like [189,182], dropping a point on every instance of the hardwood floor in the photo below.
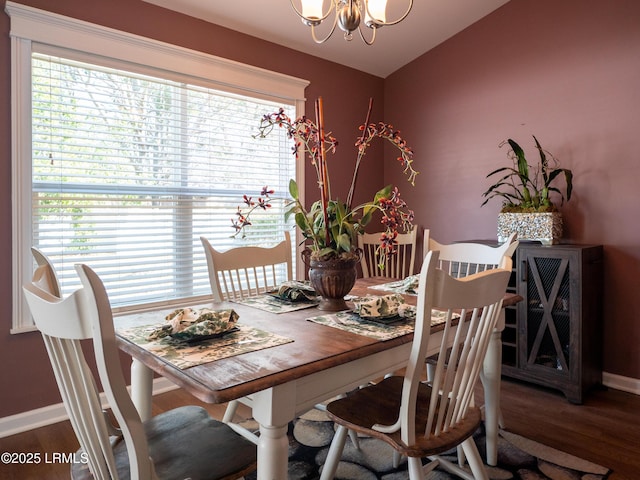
[605,429]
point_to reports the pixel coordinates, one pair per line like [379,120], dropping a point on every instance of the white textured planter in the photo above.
[544,227]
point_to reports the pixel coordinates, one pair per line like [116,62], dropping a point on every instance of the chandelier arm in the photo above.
[373,37]
[322,40]
[333,6]
[395,22]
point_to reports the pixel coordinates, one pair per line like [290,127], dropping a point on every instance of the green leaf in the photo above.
[383,193]
[301,221]
[341,211]
[293,189]
[367,215]
[523,168]
[343,242]
[543,161]
[502,169]
[568,176]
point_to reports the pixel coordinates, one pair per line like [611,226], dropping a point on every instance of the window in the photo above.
[129,171]
[127,165]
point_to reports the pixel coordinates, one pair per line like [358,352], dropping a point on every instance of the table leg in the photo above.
[141,388]
[273,452]
[273,409]
[490,378]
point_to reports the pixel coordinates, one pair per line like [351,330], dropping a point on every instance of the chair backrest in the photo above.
[45,274]
[246,271]
[462,259]
[399,265]
[86,314]
[478,300]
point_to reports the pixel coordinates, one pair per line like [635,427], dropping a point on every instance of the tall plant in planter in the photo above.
[331,224]
[525,189]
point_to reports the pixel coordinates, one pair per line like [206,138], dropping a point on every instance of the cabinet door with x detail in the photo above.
[551,330]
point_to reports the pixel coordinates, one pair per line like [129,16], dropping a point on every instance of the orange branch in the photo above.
[324,187]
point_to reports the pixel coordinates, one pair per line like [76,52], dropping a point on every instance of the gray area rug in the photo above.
[518,457]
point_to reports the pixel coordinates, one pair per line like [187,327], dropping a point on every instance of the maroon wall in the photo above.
[25,376]
[567,72]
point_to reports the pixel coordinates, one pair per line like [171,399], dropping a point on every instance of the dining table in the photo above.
[300,358]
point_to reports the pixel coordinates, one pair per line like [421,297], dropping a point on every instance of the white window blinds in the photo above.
[129,170]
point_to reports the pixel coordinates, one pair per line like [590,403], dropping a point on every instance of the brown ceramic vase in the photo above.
[332,279]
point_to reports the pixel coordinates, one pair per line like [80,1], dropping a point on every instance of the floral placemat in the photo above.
[270,303]
[406,286]
[185,355]
[378,330]
[352,322]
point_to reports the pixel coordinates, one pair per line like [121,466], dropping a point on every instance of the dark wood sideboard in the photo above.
[554,336]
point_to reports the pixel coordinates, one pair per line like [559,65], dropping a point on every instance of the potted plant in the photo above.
[330,226]
[527,207]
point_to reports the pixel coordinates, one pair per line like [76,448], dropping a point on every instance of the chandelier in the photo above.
[347,15]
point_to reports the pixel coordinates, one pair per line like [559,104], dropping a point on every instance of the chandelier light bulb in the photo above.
[312,9]
[376,12]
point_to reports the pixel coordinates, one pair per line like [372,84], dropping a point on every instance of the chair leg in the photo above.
[416,471]
[335,453]
[230,412]
[227,418]
[353,435]
[469,451]
[461,456]
[475,461]
[451,467]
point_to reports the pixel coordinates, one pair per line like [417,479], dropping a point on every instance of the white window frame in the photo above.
[30,25]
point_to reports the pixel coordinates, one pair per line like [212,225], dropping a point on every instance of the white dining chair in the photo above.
[245,271]
[424,420]
[241,272]
[181,443]
[399,265]
[44,276]
[461,259]
[465,258]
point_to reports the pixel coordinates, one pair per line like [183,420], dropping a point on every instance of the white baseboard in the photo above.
[617,382]
[50,414]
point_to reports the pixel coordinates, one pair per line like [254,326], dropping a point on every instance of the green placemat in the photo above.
[351,322]
[184,355]
[270,303]
[379,330]
[407,286]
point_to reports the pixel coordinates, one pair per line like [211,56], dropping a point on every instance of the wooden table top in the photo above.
[315,348]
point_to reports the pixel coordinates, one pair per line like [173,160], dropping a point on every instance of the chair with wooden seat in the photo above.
[181,443]
[424,420]
[465,258]
[245,271]
[399,265]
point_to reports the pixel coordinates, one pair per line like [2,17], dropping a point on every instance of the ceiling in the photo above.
[430,23]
